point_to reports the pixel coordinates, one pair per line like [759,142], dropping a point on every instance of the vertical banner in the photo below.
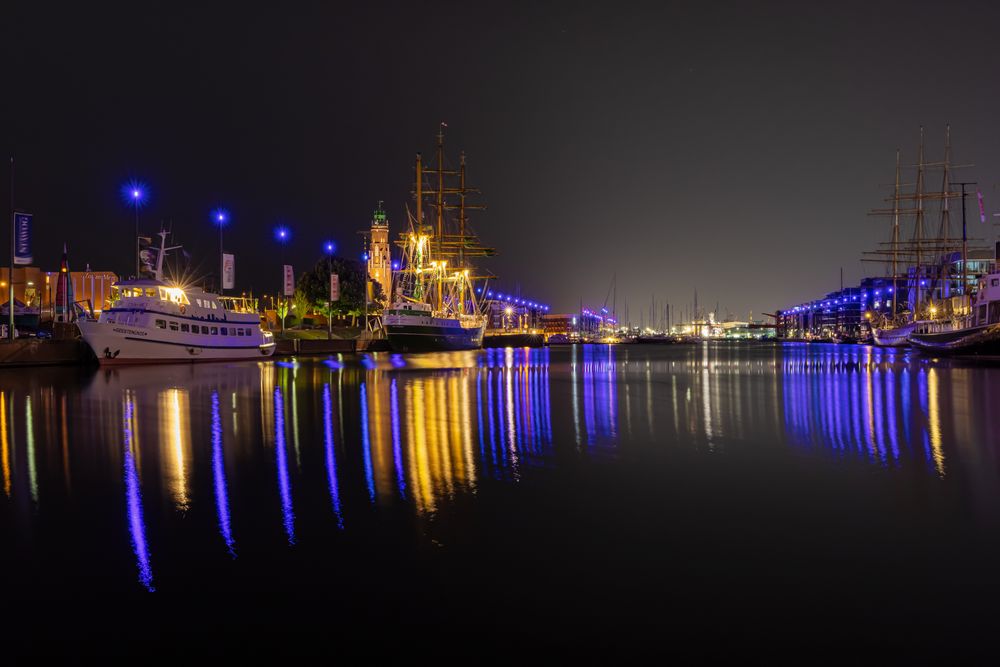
[289,289]
[982,209]
[334,287]
[228,271]
[22,238]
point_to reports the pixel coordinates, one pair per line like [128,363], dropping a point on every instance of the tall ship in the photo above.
[434,304]
[152,320]
[977,332]
[930,274]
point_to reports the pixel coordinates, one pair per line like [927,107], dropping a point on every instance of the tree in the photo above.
[315,286]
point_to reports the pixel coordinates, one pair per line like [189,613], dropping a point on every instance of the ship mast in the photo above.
[440,215]
[945,287]
[895,236]
[918,229]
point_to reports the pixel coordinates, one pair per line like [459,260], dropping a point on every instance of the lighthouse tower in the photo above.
[379,257]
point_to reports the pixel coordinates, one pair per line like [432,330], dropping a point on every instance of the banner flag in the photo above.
[228,271]
[289,289]
[147,257]
[982,209]
[22,238]
[334,287]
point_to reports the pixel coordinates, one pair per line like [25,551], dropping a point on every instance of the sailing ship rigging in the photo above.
[933,288]
[435,304]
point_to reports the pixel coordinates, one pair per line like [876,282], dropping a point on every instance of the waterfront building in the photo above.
[36,289]
[847,312]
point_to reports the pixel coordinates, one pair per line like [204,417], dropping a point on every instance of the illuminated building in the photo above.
[37,289]
[379,257]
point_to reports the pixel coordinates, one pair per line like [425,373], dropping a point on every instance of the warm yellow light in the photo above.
[508,310]
[868,315]
[933,310]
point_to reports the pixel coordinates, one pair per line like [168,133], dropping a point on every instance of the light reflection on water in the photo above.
[387,431]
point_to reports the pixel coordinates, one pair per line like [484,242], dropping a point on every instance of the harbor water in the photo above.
[769,494]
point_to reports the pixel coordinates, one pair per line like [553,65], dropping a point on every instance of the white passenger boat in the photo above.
[151,320]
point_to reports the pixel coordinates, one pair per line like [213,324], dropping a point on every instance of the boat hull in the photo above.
[433,338]
[118,345]
[983,339]
[895,337]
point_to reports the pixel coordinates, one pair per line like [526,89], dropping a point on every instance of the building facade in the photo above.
[379,255]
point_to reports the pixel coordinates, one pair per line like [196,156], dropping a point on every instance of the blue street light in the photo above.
[282,234]
[330,247]
[220,218]
[135,194]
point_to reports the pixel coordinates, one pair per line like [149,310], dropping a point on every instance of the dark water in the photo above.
[796,497]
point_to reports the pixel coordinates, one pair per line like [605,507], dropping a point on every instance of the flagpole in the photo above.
[10,278]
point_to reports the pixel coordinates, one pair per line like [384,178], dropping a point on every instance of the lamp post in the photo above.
[136,197]
[282,235]
[329,246]
[221,218]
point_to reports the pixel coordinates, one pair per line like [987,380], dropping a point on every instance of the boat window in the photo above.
[204,330]
[161,324]
[111,320]
[994,312]
[173,326]
[995,282]
[185,328]
[982,314]
[225,332]
[151,292]
[215,331]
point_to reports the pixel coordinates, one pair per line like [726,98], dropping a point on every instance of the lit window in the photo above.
[215,331]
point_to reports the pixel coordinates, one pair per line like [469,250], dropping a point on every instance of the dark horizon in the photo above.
[735,151]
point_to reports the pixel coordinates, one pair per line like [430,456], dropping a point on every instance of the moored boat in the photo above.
[151,320]
[412,327]
[435,306]
[976,333]
[893,336]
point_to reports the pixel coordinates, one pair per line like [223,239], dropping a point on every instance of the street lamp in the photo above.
[135,194]
[282,235]
[220,218]
[329,246]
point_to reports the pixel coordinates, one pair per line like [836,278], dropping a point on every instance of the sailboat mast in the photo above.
[918,229]
[945,288]
[895,235]
[440,215]
[461,228]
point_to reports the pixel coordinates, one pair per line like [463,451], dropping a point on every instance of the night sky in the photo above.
[735,149]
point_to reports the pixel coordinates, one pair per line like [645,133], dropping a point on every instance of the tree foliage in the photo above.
[315,287]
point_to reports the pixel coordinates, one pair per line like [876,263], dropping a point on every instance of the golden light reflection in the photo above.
[934,417]
[4,445]
[29,425]
[175,443]
[416,432]
[438,438]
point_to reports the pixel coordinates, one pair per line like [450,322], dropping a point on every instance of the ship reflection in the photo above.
[249,445]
